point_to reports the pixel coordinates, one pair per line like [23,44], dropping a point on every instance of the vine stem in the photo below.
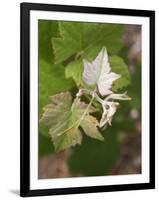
[93,93]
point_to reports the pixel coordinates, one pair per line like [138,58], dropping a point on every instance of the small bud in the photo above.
[80,93]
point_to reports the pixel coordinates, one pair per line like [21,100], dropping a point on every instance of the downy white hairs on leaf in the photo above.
[99,73]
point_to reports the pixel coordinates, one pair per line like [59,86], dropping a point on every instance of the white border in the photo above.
[86,181]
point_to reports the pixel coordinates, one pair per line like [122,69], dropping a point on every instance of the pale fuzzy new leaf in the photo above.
[99,73]
[105,83]
[109,109]
[122,96]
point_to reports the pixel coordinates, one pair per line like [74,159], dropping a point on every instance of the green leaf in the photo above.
[69,43]
[74,70]
[46,30]
[118,66]
[57,110]
[71,138]
[64,118]
[86,39]
[58,115]
[51,81]
[89,125]
[97,35]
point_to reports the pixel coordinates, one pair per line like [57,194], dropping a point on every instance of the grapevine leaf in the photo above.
[46,30]
[74,70]
[98,73]
[89,125]
[64,118]
[118,66]
[57,110]
[51,81]
[71,138]
[109,109]
[69,42]
[87,38]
